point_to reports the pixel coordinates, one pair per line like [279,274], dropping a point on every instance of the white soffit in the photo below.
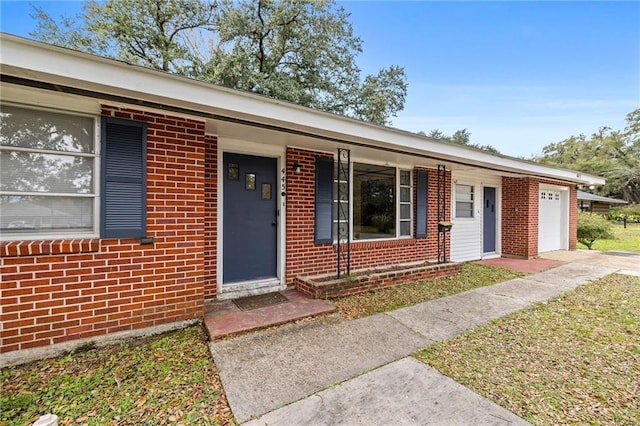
[45,63]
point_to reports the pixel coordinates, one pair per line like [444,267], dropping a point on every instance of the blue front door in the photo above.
[250,222]
[489,220]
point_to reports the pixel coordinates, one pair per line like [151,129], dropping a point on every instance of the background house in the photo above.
[597,204]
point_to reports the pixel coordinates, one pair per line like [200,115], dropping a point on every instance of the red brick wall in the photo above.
[210,221]
[573,217]
[520,215]
[374,280]
[305,257]
[57,291]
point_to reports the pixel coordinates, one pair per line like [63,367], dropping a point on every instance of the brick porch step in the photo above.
[224,318]
[325,287]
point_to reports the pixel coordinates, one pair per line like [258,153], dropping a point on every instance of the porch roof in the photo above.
[592,197]
[29,63]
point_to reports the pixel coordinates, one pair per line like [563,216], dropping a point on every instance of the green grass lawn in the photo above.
[572,360]
[167,379]
[472,276]
[625,239]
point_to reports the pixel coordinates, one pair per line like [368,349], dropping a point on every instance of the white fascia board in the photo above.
[65,66]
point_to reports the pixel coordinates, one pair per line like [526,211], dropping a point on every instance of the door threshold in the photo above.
[249,288]
[491,255]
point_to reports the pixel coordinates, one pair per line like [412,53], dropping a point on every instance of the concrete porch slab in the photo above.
[223,318]
[528,266]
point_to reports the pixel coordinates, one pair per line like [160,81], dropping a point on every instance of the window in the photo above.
[376,209]
[49,175]
[340,205]
[405,203]
[374,202]
[464,201]
[48,172]
[421,203]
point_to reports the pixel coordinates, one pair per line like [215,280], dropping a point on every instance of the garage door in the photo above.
[550,223]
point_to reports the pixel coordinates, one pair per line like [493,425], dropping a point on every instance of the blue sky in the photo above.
[517,75]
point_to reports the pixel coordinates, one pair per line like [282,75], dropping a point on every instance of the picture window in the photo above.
[48,163]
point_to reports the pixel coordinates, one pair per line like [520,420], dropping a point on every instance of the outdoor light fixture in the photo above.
[297,167]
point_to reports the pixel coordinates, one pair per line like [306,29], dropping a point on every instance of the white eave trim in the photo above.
[42,62]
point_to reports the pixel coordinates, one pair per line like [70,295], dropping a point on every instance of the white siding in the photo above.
[466,234]
[465,240]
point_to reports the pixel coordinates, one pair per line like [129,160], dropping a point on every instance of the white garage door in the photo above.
[550,221]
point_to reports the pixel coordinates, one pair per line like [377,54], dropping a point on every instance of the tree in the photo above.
[592,227]
[151,33]
[612,154]
[380,96]
[460,137]
[302,51]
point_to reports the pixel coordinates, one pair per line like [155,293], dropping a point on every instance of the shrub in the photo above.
[631,211]
[592,227]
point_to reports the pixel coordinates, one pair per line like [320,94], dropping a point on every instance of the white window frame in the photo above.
[335,220]
[472,202]
[62,235]
[399,203]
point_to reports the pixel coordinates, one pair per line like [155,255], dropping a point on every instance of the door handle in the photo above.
[273,224]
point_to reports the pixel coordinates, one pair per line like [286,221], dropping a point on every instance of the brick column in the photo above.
[519,217]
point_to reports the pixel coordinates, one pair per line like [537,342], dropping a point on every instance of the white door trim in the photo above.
[498,207]
[247,288]
[564,212]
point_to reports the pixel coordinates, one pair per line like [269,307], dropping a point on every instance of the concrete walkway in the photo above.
[333,371]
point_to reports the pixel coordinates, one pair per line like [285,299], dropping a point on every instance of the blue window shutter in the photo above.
[324,200]
[421,203]
[124,179]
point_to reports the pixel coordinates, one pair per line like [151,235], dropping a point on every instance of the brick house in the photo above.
[130,196]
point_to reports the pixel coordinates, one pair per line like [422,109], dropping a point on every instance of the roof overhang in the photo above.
[34,63]
[593,197]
